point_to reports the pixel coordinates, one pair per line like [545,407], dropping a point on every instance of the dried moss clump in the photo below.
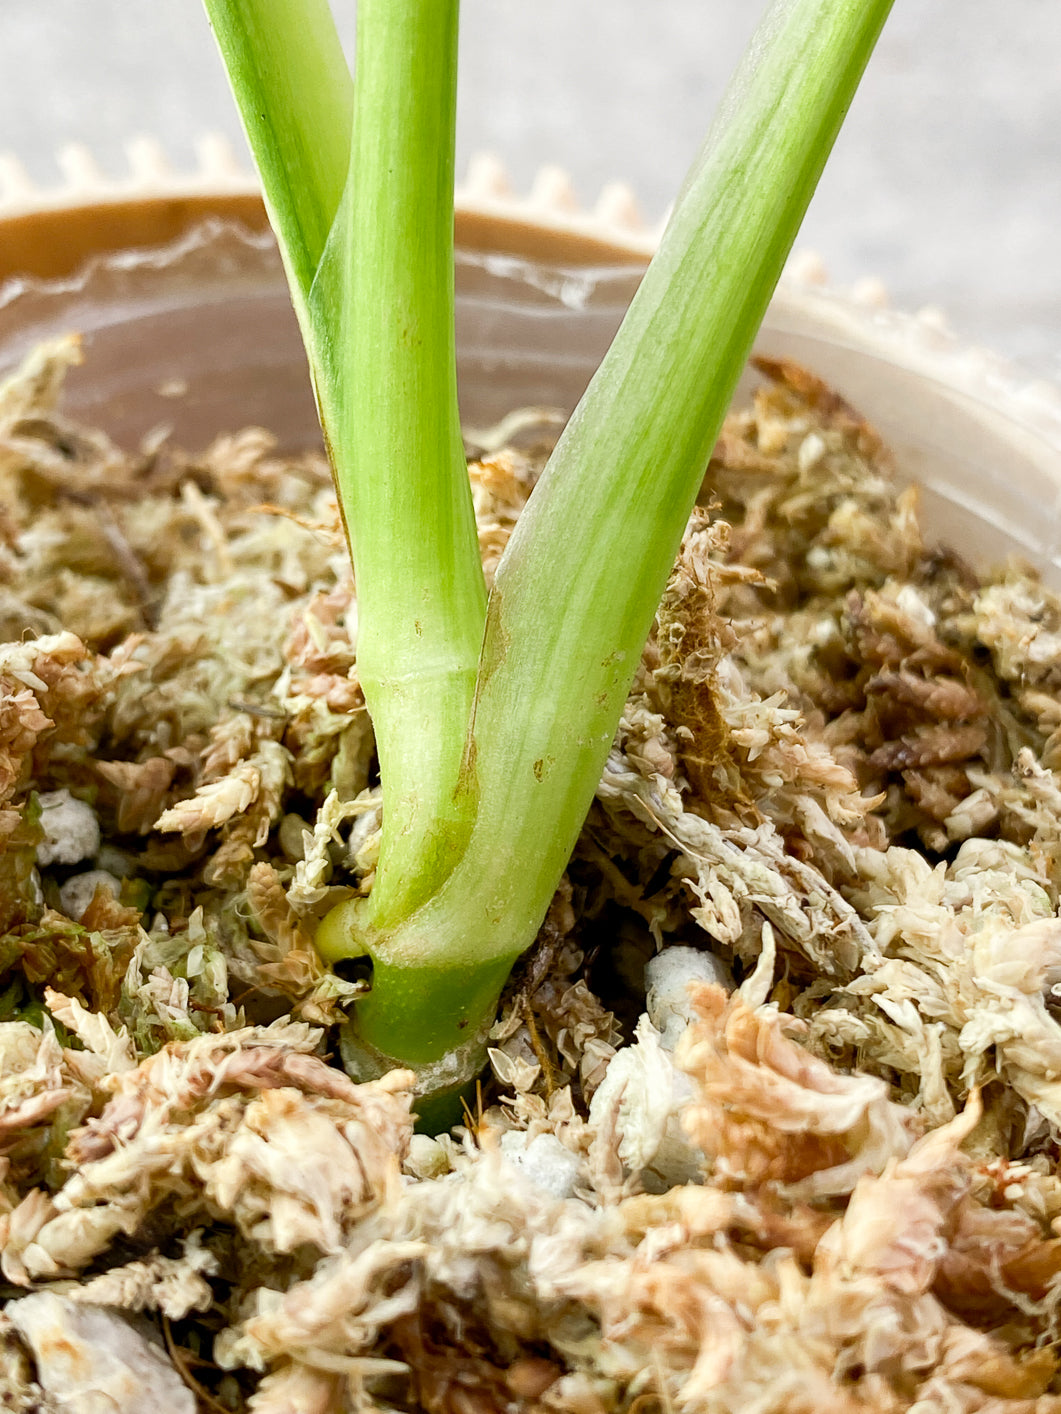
[775,1108]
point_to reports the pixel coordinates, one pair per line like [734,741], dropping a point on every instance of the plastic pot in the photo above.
[198,335]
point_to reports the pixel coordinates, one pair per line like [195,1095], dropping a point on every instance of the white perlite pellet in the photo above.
[71,830]
[667,979]
[544,1160]
[80,889]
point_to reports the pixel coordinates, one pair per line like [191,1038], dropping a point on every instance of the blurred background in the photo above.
[945,183]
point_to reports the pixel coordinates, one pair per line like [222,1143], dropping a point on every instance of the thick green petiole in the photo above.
[578,587]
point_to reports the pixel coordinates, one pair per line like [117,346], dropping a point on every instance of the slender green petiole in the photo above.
[296,99]
[397,447]
[366,226]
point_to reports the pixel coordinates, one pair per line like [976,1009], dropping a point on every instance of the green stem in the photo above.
[434,1019]
[295,95]
[582,576]
[425,1012]
[365,224]
[397,447]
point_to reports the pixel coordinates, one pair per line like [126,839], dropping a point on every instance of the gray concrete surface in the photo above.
[945,182]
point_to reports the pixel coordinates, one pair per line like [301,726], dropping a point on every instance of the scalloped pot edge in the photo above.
[984,444]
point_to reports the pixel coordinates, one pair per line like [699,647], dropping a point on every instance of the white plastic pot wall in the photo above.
[198,335]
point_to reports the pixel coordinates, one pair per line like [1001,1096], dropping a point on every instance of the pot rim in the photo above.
[51,234]
[57,241]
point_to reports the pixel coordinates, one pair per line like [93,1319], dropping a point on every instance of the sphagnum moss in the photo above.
[837,1177]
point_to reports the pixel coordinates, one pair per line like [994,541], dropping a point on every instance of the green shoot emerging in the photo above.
[493,720]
